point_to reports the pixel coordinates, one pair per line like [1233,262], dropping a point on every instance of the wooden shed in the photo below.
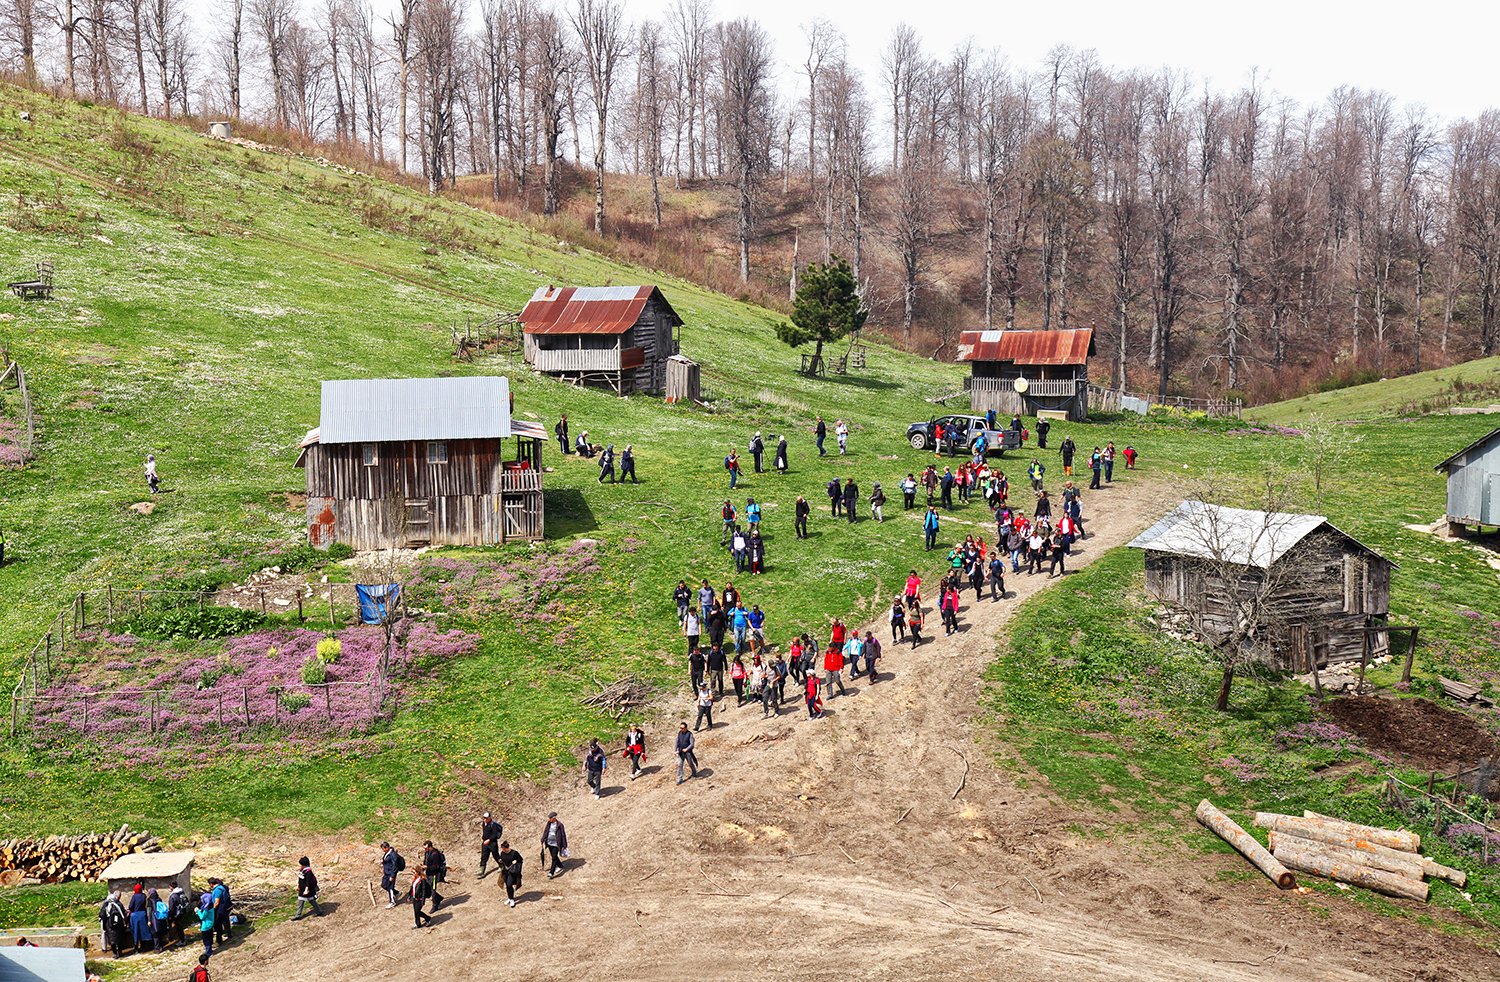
[1053,365]
[1474,484]
[415,462]
[1319,588]
[618,337]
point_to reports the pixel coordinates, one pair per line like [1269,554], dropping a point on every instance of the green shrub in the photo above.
[314,672]
[329,649]
[293,701]
[340,551]
[193,623]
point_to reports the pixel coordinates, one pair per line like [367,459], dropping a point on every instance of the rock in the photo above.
[144,507]
[281,603]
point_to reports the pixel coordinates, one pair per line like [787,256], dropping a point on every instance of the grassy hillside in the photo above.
[1474,383]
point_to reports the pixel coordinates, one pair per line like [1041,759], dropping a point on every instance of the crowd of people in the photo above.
[147,921]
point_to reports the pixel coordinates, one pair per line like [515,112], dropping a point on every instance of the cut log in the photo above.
[1408,867]
[1429,866]
[1245,843]
[1308,860]
[1320,828]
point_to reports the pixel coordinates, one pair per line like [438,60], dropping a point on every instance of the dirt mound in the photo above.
[1414,728]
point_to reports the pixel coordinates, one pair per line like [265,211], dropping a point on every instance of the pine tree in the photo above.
[827,308]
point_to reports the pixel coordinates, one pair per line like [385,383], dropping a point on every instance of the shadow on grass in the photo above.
[568,513]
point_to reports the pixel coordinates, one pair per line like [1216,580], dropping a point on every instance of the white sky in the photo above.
[1441,56]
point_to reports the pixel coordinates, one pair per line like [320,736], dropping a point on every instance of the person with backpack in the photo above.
[898,621]
[930,528]
[510,872]
[307,889]
[877,502]
[436,865]
[752,514]
[178,906]
[814,699]
[732,465]
[391,863]
[490,832]
[206,924]
[200,970]
[821,432]
[114,926]
[835,496]
[594,762]
[561,431]
[223,907]
[728,514]
[757,451]
[914,620]
[1096,467]
[554,842]
[420,890]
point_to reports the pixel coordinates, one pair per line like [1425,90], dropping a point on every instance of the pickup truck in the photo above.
[923,436]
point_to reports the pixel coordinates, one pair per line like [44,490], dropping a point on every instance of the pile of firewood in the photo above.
[58,858]
[1378,859]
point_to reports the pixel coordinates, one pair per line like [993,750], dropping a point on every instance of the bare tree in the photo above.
[899,66]
[688,22]
[230,19]
[273,21]
[600,25]
[166,34]
[401,28]
[553,63]
[1235,194]
[1127,232]
[1170,181]
[305,75]
[436,29]
[19,23]
[652,83]
[824,42]
[1476,213]
[745,116]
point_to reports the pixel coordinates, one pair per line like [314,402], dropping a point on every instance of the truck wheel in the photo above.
[918,441]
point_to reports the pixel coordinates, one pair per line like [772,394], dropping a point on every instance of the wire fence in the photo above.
[15,375]
[86,712]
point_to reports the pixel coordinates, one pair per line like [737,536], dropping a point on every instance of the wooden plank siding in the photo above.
[1343,590]
[402,499]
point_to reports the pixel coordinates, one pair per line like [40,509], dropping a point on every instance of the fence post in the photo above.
[245,691]
[153,712]
[109,598]
[327,701]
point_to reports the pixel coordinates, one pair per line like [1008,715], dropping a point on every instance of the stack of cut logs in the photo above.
[1378,859]
[72,857]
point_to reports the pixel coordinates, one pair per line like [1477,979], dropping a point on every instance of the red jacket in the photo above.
[833,659]
[837,635]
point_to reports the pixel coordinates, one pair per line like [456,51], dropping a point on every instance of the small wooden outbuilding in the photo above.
[1474,484]
[1021,372]
[415,462]
[152,870]
[619,337]
[1325,587]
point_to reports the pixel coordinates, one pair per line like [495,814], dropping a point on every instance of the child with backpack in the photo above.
[307,889]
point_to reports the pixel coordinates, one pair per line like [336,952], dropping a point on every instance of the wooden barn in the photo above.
[618,337]
[416,462]
[1322,586]
[1054,365]
[1474,485]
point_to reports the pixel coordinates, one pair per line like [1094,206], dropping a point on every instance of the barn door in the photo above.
[1489,508]
[418,521]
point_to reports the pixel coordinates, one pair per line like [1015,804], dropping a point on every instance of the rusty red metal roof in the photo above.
[589,309]
[1027,347]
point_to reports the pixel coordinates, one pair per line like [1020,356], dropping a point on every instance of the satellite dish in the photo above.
[1021,385]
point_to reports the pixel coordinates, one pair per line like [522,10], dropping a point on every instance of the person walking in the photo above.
[1037,472]
[841,432]
[1108,459]
[685,755]
[813,696]
[898,621]
[1059,555]
[420,890]
[768,704]
[821,432]
[975,564]
[692,629]
[877,503]
[683,598]
[561,430]
[436,865]
[737,676]
[914,620]
[851,501]
[740,620]
[757,451]
[947,485]
[490,832]
[833,666]
[607,464]
[909,492]
[930,528]
[872,655]
[627,465]
[717,663]
[802,510]
[757,629]
[739,547]
[835,496]
[752,514]
[718,623]
[510,872]
[732,465]
[594,762]
[307,889]
[206,925]
[950,607]
[1043,424]
[779,671]
[1096,467]
[555,842]
[696,662]
[781,462]
[1066,450]
[706,594]
[997,575]
[152,481]
[391,863]
[930,483]
[705,707]
[635,748]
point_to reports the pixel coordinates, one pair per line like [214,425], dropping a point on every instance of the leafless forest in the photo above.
[1230,241]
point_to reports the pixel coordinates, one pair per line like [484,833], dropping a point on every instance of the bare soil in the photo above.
[878,843]
[1417,729]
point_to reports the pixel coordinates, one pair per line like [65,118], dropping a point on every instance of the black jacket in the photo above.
[307,882]
[491,831]
[803,508]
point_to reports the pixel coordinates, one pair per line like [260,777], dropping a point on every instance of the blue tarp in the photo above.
[373,601]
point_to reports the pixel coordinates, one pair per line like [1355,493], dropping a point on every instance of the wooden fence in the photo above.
[17,377]
[1114,400]
[107,607]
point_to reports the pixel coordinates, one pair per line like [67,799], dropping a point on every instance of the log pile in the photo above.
[1383,860]
[59,858]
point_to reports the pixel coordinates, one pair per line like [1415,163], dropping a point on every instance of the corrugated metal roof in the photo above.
[1482,440]
[371,410]
[588,309]
[1238,535]
[1027,347]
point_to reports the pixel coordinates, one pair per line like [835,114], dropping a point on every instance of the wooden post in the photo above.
[221,709]
[1431,780]
[1411,653]
[49,653]
[331,623]
[85,715]
[1364,659]
[300,618]
[153,712]
[327,700]
[109,598]
[245,691]
[262,603]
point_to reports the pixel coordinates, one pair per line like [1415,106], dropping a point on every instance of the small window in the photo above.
[437,452]
[368,455]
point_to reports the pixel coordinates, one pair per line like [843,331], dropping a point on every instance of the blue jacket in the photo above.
[931,521]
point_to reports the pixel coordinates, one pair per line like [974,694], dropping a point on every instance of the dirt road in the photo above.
[836,849]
